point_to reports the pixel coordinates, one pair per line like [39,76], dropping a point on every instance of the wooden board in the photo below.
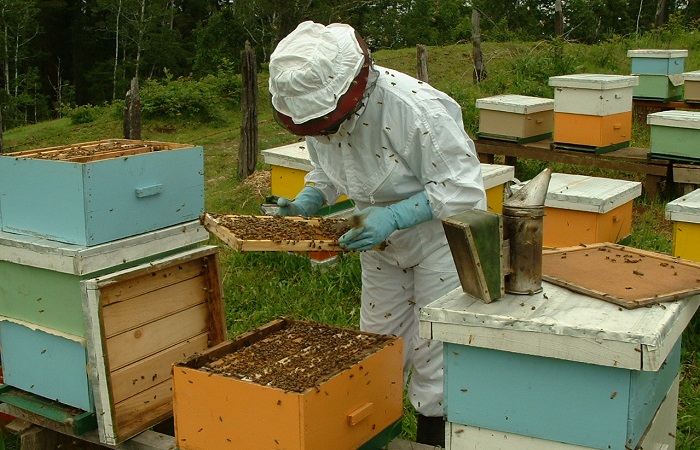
[276,233]
[622,275]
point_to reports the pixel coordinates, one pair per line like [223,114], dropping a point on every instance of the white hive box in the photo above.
[518,118]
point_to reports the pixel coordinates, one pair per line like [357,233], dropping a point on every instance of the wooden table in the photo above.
[629,159]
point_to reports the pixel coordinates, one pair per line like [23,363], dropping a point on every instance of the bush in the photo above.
[82,114]
[200,100]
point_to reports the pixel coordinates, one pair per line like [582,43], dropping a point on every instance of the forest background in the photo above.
[59,55]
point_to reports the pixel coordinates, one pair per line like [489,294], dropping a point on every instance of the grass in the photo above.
[259,287]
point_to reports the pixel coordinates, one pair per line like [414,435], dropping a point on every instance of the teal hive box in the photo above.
[44,363]
[558,369]
[657,61]
[675,134]
[93,193]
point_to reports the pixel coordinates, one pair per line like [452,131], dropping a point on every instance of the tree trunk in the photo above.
[422,62]
[116,51]
[132,112]
[480,72]
[659,17]
[558,19]
[248,151]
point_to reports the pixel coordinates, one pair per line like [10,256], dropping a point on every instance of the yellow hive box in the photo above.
[581,209]
[684,212]
[214,411]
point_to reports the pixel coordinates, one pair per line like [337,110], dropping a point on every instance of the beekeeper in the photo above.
[397,147]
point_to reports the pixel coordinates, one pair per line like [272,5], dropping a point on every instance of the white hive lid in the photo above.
[685,209]
[656,53]
[594,81]
[589,194]
[520,104]
[293,156]
[692,76]
[675,118]
[496,174]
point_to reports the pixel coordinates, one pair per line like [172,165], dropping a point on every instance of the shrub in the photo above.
[82,114]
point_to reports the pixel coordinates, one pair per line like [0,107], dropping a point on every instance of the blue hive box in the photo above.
[97,192]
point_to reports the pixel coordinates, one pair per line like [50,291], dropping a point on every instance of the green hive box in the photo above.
[675,135]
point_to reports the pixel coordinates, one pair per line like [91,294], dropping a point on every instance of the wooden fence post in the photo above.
[422,62]
[480,71]
[248,151]
[132,111]
[558,19]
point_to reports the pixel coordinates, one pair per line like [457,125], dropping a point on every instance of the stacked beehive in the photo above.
[593,112]
[660,73]
[101,269]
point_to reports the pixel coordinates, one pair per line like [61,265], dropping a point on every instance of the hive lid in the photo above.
[519,104]
[293,156]
[675,118]
[81,260]
[656,53]
[589,194]
[594,81]
[685,209]
[496,174]
[691,76]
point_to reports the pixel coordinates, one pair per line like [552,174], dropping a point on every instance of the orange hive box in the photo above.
[218,406]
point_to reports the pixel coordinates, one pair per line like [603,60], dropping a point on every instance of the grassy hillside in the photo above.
[260,287]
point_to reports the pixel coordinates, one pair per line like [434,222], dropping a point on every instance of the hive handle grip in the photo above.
[360,413]
[149,191]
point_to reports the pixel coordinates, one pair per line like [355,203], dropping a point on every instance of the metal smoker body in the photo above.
[523,215]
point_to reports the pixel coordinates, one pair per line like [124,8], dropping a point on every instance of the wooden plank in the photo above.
[622,275]
[320,243]
[215,300]
[686,173]
[126,348]
[146,373]
[133,283]
[96,144]
[143,410]
[153,305]
[631,159]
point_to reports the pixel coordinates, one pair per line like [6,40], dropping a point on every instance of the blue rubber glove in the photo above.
[307,202]
[380,222]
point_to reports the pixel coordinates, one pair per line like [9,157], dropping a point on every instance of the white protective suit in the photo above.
[407,137]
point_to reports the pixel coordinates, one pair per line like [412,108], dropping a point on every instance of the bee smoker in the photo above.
[523,215]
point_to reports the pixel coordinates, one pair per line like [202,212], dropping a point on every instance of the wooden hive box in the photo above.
[657,61]
[97,192]
[558,370]
[684,212]
[141,321]
[42,330]
[343,409]
[675,135]
[691,86]
[581,209]
[593,112]
[517,118]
